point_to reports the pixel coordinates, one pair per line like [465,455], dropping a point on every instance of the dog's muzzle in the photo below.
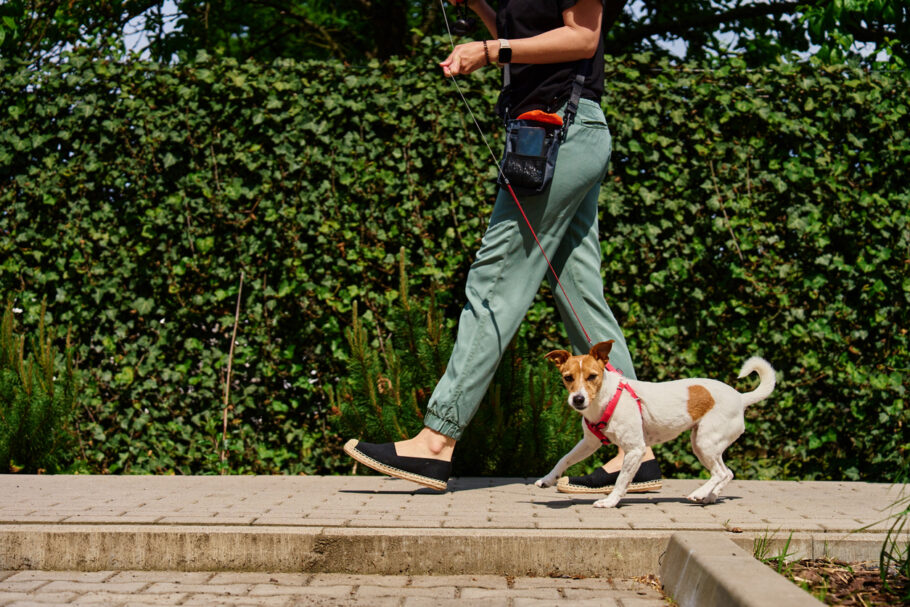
[579,402]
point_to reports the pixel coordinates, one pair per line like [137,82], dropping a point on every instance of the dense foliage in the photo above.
[747,212]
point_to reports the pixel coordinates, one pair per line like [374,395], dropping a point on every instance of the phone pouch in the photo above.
[532,145]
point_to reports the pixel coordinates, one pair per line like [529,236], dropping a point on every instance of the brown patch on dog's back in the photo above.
[700,402]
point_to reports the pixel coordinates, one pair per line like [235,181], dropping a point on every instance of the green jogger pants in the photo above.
[509,268]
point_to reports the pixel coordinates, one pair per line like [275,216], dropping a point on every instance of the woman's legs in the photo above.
[584,311]
[506,275]
[500,288]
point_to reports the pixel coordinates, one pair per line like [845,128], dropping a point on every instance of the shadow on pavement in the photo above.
[568,502]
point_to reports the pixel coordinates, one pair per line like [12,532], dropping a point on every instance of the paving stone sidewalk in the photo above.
[476,503]
[531,546]
[18,589]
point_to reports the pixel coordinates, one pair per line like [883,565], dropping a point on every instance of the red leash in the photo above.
[544,253]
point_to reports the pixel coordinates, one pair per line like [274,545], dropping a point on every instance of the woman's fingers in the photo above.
[447,66]
[464,59]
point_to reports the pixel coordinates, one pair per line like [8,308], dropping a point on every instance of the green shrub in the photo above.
[37,396]
[389,377]
[747,212]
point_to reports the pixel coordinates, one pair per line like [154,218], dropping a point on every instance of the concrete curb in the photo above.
[708,569]
[331,550]
[386,551]
[697,568]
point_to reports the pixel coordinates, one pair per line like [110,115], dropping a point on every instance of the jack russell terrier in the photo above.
[636,414]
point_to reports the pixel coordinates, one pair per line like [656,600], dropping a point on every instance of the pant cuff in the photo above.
[443,426]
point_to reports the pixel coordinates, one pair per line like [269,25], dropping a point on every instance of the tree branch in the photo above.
[867,34]
[285,9]
[701,21]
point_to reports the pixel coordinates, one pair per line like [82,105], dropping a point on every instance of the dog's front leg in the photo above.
[585,447]
[630,463]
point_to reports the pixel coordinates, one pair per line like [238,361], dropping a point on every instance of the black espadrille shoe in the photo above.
[600,481]
[432,473]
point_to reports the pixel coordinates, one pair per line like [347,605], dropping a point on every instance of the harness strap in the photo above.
[598,428]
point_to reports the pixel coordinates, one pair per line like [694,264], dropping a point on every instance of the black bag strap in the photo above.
[506,90]
[584,68]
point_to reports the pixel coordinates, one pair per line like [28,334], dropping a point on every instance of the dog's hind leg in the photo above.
[585,447]
[710,491]
[710,454]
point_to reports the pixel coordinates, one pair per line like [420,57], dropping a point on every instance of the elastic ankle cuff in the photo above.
[443,426]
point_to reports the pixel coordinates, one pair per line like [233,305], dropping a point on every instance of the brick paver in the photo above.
[324,524]
[264,589]
[379,502]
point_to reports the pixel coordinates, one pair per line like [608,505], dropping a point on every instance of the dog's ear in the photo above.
[601,351]
[558,357]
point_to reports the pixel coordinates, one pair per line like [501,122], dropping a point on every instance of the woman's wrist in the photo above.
[503,51]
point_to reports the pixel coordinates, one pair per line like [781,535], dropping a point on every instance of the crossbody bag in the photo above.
[533,139]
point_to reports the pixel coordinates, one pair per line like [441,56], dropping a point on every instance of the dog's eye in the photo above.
[567,378]
[592,377]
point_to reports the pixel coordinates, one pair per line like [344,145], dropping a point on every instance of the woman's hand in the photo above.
[465,58]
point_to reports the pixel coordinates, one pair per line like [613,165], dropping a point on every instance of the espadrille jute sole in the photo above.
[351,449]
[564,486]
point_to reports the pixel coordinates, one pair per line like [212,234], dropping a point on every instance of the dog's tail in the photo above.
[765,374]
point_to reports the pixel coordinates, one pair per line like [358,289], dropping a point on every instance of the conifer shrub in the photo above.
[521,426]
[37,397]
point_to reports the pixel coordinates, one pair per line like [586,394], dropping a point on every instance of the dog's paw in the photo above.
[698,498]
[547,481]
[607,502]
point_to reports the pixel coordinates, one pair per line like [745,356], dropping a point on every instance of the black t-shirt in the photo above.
[542,86]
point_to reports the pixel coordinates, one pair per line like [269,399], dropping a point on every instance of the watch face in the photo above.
[505,54]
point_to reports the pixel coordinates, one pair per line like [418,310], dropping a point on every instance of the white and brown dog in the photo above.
[636,414]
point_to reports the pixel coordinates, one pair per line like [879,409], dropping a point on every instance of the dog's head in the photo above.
[582,375]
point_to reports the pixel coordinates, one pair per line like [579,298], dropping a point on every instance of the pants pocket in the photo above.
[594,124]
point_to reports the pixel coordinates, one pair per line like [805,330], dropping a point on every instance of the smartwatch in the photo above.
[505,51]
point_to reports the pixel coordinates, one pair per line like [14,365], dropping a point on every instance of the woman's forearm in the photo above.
[561,45]
[576,39]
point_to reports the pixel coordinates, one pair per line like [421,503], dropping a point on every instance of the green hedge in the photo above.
[747,212]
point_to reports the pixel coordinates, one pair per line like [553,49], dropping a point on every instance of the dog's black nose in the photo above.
[578,400]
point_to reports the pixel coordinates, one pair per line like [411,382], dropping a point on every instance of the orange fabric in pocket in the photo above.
[541,116]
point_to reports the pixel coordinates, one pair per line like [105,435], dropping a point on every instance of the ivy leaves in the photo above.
[747,212]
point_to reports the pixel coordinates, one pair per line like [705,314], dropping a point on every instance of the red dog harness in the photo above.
[598,428]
